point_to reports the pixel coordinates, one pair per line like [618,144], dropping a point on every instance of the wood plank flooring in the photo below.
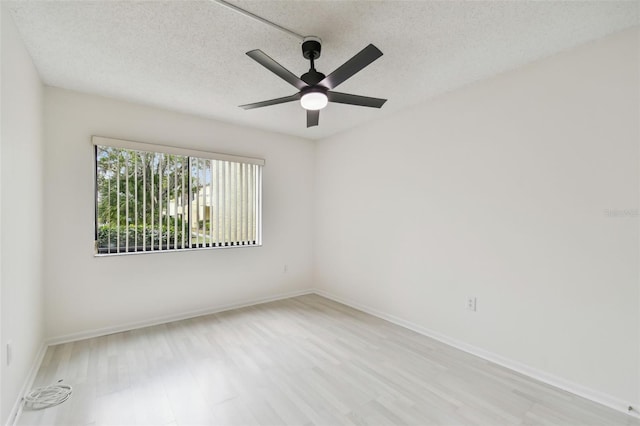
[300,361]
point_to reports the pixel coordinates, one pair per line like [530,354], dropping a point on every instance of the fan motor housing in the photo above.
[311,47]
[312,77]
[314,89]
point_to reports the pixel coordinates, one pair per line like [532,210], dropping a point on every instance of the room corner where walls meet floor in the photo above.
[581,391]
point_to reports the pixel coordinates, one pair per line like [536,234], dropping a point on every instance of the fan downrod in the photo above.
[311,51]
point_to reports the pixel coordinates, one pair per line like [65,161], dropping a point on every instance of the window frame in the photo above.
[101,141]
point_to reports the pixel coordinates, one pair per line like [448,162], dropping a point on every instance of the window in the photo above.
[153,198]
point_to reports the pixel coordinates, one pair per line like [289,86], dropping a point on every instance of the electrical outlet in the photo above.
[9,352]
[471,303]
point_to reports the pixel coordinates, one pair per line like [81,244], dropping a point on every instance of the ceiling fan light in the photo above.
[314,101]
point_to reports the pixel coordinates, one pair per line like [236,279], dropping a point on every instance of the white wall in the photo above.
[21,213]
[85,293]
[511,190]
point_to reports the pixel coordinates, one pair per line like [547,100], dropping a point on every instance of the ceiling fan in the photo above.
[316,89]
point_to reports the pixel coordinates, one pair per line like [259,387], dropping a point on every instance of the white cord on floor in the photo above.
[48,396]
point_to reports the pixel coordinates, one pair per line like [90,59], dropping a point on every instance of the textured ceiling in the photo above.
[189,56]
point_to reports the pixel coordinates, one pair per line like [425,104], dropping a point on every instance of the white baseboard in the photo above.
[170,318]
[553,380]
[542,376]
[16,410]
[18,405]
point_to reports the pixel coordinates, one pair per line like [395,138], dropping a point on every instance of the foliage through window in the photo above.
[153,198]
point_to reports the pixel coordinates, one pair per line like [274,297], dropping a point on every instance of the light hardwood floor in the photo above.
[300,361]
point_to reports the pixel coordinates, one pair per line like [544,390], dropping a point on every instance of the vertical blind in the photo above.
[155,198]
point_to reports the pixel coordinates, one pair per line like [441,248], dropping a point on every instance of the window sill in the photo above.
[175,250]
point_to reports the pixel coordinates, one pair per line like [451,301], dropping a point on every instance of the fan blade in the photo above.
[312,117]
[272,102]
[345,98]
[265,60]
[352,66]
